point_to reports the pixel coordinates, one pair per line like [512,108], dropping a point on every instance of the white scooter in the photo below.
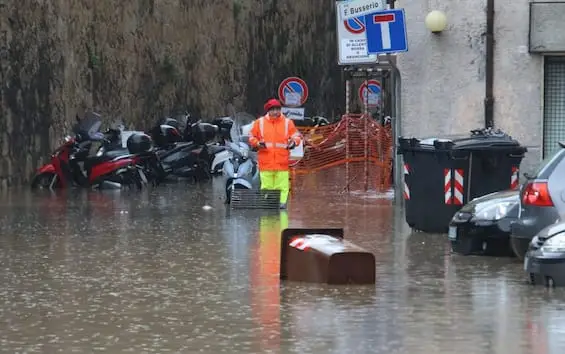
[241,170]
[220,154]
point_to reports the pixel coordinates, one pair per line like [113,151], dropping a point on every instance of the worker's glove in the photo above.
[291,145]
[262,145]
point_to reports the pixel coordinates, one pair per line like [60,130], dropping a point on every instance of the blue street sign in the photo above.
[386,32]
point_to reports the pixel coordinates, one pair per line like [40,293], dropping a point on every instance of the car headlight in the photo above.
[556,244]
[494,212]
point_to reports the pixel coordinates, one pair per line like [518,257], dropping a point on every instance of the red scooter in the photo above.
[101,171]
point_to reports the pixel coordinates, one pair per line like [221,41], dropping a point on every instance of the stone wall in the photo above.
[137,60]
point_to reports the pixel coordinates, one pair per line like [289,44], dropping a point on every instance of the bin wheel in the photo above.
[463,246]
[549,282]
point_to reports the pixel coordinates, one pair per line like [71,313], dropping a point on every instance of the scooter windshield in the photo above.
[89,126]
[242,124]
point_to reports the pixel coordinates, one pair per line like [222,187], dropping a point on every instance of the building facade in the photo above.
[443,75]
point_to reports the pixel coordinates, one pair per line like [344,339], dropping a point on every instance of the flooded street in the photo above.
[152,272]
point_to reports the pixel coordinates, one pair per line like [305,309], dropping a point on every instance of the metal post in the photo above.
[365,133]
[345,118]
[347,96]
[381,108]
[396,131]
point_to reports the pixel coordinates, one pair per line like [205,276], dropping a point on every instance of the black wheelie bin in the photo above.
[441,175]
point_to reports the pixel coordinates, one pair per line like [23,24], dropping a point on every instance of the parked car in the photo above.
[545,260]
[541,201]
[482,226]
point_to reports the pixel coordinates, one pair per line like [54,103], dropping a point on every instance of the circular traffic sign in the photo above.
[355,25]
[292,85]
[370,93]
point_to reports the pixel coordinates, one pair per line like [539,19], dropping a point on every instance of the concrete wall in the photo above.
[444,75]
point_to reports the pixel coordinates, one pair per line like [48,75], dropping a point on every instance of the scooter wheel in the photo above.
[228,197]
[464,246]
[44,180]
[202,170]
[132,179]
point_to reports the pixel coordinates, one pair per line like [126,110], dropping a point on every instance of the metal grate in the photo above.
[554,104]
[255,199]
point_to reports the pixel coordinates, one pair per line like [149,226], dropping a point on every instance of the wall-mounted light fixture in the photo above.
[436,21]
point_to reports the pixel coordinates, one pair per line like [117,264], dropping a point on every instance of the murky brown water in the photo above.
[152,272]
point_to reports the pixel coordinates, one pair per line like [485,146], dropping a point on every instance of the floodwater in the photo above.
[152,272]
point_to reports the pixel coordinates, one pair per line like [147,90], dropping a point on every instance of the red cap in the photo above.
[272,103]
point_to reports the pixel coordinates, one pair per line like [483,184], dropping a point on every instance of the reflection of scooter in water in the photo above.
[238,250]
[265,297]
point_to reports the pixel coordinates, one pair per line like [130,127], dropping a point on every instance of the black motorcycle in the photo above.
[193,154]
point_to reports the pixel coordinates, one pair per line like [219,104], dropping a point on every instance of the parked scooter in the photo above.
[99,171]
[140,150]
[192,154]
[241,170]
[184,159]
[219,151]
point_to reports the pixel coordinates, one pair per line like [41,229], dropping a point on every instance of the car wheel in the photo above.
[463,246]
[519,246]
[497,247]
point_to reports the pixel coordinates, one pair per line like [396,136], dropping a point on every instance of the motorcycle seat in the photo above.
[214,149]
[107,156]
[116,153]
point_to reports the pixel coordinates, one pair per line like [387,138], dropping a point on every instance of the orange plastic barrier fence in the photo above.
[355,153]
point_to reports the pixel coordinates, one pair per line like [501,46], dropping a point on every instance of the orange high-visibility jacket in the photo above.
[276,133]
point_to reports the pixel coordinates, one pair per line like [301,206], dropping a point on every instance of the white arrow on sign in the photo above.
[358,8]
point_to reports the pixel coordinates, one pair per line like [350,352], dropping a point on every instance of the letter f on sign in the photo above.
[384,21]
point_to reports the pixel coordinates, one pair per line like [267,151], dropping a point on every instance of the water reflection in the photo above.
[154,272]
[264,281]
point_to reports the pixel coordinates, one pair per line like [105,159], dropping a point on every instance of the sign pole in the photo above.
[396,132]
[346,119]
[365,133]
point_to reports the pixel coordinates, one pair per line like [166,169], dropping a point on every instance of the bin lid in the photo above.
[485,142]
[476,141]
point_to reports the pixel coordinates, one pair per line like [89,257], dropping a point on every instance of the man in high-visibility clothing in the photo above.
[274,135]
